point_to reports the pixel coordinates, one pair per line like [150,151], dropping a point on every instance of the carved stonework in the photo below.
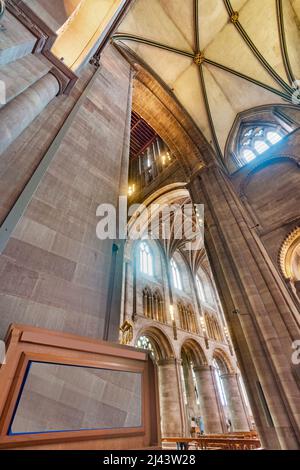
[235,17]
[285,250]
[127,333]
[199,58]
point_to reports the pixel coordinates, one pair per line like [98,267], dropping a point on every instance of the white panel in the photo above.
[149,20]
[259,19]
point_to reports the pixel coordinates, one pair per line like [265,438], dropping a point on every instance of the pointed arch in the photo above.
[159,312]
[160,342]
[223,360]
[147,303]
[194,351]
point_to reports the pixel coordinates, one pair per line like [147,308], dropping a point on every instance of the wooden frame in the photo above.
[27,344]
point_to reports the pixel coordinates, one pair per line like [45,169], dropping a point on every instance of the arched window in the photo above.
[144,343]
[187,318]
[182,316]
[248,155]
[146,259]
[213,328]
[254,141]
[192,327]
[208,325]
[148,303]
[176,275]
[158,307]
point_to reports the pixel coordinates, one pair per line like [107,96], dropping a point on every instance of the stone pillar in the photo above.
[235,403]
[208,400]
[19,113]
[190,389]
[261,315]
[171,398]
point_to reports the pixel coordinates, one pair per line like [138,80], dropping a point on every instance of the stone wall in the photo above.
[269,189]
[54,271]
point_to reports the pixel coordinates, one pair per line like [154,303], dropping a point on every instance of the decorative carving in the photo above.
[286,252]
[235,17]
[95,61]
[199,58]
[127,333]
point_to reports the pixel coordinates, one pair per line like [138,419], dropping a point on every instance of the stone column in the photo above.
[235,403]
[171,398]
[190,389]
[208,400]
[260,312]
[19,113]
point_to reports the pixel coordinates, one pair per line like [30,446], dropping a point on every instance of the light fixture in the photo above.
[172,313]
[131,190]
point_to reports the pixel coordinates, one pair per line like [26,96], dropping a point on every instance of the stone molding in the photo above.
[45,39]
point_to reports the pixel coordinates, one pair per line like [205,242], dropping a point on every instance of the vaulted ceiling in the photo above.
[218,57]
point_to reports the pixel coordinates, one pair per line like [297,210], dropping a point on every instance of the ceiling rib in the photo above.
[131,37]
[128,37]
[203,84]
[255,51]
[248,79]
[196,22]
[287,89]
[283,44]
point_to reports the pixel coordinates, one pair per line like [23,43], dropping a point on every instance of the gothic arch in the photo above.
[161,343]
[213,327]
[159,311]
[288,247]
[223,360]
[258,165]
[195,351]
[165,115]
[147,303]
[260,115]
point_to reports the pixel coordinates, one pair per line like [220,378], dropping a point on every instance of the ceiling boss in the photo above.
[199,58]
